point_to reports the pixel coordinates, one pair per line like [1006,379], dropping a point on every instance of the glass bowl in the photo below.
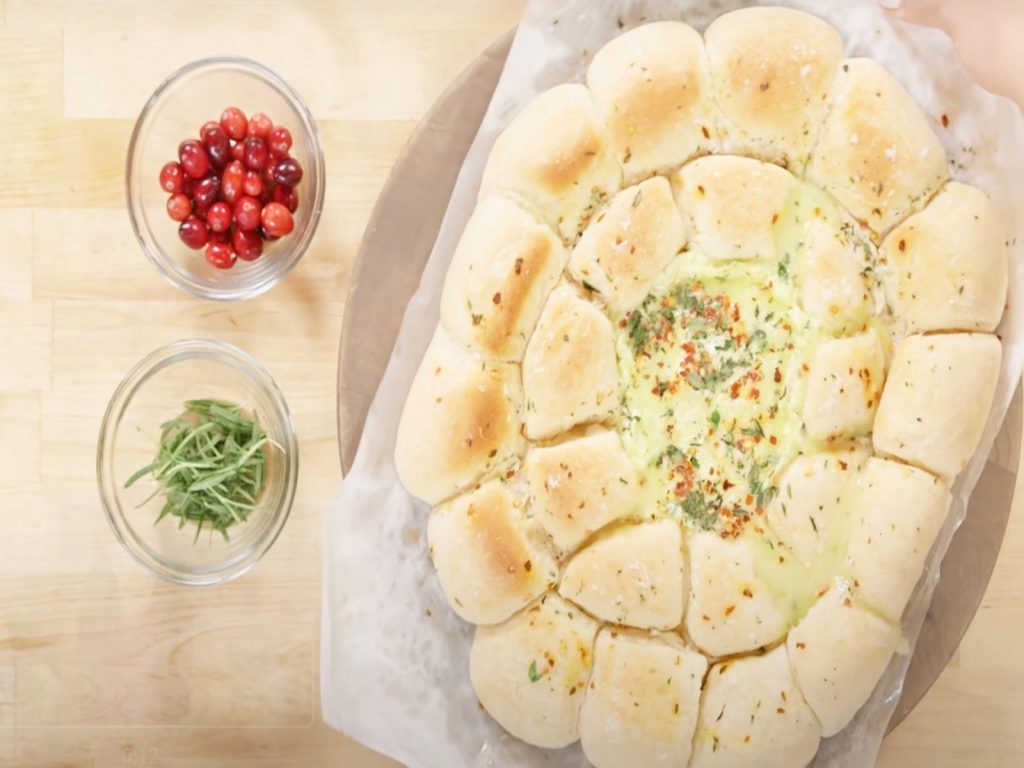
[155,392]
[195,94]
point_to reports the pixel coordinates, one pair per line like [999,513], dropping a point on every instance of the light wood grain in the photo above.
[101,665]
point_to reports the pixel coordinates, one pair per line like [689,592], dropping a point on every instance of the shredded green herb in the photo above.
[532,672]
[210,466]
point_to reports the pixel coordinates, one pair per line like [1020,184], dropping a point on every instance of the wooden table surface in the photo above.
[102,664]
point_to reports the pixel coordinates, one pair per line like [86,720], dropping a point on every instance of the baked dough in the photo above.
[634,575]
[461,421]
[899,512]
[733,205]
[713,347]
[844,384]
[877,153]
[504,268]
[730,609]
[629,244]
[555,157]
[838,653]
[489,557]
[579,486]
[937,399]
[771,70]
[530,672]
[641,705]
[569,369]
[754,716]
[945,267]
[650,87]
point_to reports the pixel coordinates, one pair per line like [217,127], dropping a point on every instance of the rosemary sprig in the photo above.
[209,466]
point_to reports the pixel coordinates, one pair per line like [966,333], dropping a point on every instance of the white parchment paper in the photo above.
[394,658]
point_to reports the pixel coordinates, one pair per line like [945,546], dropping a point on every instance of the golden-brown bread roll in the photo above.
[730,610]
[898,513]
[752,715]
[461,421]
[641,705]
[877,153]
[945,267]
[843,386]
[489,557]
[569,370]
[937,400]
[629,243]
[505,266]
[579,486]
[651,90]
[632,575]
[555,157]
[732,205]
[530,672]
[771,69]
[838,652]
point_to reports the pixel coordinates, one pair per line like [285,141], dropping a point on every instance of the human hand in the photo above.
[988,35]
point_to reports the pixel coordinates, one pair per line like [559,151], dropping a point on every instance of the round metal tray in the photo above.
[394,252]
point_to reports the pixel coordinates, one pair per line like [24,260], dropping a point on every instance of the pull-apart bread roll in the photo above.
[489,557]
[733,205]
[633,575]
[642,702]
[831,260]
[555,156]
[771,70]
[730,610]
[838,652]
[460,422]
[753,715]
[569,371]
[937,399]
[897,515]
[629,243]
[808,514]
[503,269]
[651,90]
[844,384]
[530,672]
[945,267]
[579,486]
[877,153]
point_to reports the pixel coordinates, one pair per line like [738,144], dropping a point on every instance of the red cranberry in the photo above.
[193,158]
[193,233]
[217,145]
[267,195]
[179,207]
[220,237]
[233,121]
[220,255]
[259,126]
[256,153]
[279,140]
[172,178]
[287,171]
[238,151]
[247,213]
[267,236]
[231,181]
[219,217]
[286,196]
[206,192]
[248,245]
[277,219]
[206,127]
[252,184]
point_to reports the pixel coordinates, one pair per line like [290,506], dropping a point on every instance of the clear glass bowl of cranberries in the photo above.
[225,178]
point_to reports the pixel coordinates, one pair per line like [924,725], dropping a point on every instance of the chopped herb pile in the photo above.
[209,466]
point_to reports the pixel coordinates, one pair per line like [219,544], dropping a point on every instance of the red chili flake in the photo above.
[519,266]
[496,298]
[945,120]
[778,375]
